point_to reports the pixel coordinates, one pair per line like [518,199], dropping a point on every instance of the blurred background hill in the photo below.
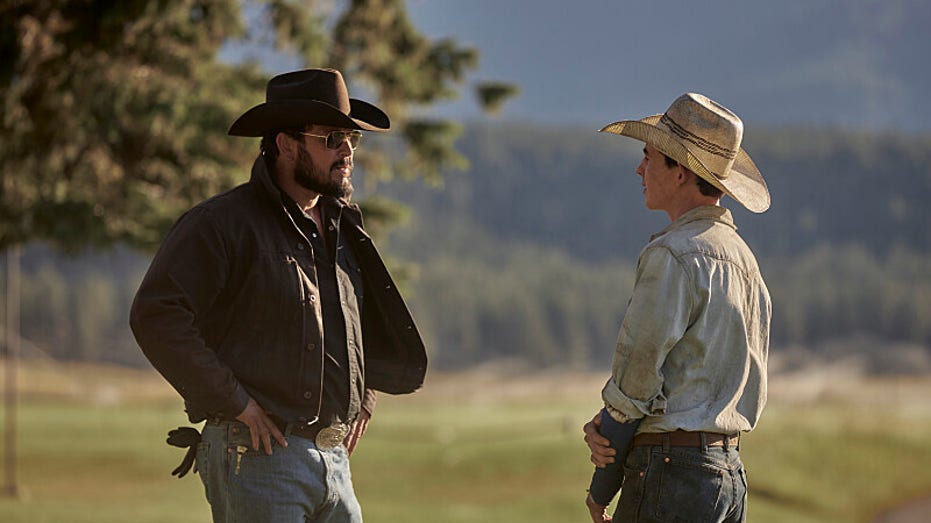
[529,254]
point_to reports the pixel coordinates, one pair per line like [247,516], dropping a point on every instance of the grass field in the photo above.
[471,447]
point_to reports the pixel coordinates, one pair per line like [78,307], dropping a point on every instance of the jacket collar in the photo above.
[262,180]
[704,212]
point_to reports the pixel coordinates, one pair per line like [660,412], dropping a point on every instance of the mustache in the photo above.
[345,162]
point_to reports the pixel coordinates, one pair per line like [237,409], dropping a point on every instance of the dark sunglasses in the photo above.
[334,139]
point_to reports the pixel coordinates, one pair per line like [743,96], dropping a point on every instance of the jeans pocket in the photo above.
[632,489]
[679,489]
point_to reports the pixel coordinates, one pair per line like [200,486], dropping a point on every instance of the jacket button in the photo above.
[300,246]
[308,395]
[311,346]
[313,297]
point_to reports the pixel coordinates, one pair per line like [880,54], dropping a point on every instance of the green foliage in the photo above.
[431,147]
[534,307]
[381,214]
[375,43]
[492,95]
[114,112]
[111,117]
[831,291]
[298,26]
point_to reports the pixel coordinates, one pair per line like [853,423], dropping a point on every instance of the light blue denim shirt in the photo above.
[692,349]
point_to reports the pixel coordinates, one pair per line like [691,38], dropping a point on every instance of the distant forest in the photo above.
[529,253]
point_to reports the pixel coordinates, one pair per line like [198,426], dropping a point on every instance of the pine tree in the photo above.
[114,112]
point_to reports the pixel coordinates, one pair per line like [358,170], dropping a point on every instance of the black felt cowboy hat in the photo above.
[311,96]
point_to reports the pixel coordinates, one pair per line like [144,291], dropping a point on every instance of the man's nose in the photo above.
[344,145]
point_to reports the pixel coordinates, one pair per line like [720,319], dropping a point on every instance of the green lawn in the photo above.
[468,450]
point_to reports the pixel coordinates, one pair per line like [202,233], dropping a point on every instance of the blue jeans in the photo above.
[294,485]
[683,484]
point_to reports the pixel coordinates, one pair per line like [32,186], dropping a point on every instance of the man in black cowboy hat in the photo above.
[689,371]
[269,310]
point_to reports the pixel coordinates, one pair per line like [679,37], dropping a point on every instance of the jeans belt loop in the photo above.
[704,441]
[666,444]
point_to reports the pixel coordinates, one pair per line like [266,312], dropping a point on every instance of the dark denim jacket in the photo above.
[226,311]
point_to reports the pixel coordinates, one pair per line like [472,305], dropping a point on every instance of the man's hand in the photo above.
[358,429]
[261,427]
[599,513]
[602,453]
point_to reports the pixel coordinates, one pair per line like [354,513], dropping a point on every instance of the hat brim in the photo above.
[288,114]
[743,182]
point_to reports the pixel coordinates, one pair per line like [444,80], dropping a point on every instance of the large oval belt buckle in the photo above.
[331,437]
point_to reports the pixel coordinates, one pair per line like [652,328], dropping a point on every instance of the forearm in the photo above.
[606,481]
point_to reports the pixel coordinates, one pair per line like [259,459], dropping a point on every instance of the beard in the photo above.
[309,176]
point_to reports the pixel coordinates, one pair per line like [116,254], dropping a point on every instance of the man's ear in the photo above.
[683,175]
[286,145]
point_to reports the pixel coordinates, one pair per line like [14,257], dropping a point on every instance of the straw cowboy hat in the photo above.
[311,96]
[703,136]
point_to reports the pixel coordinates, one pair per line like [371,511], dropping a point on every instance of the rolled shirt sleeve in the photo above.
[657,316]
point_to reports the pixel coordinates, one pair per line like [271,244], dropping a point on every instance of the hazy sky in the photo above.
[846,62]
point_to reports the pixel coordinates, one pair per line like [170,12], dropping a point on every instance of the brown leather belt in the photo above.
[681,438]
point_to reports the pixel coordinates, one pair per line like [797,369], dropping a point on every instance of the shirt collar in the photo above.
[704,212]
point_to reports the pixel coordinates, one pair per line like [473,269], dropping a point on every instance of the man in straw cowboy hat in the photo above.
[689,371]
[270,311]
